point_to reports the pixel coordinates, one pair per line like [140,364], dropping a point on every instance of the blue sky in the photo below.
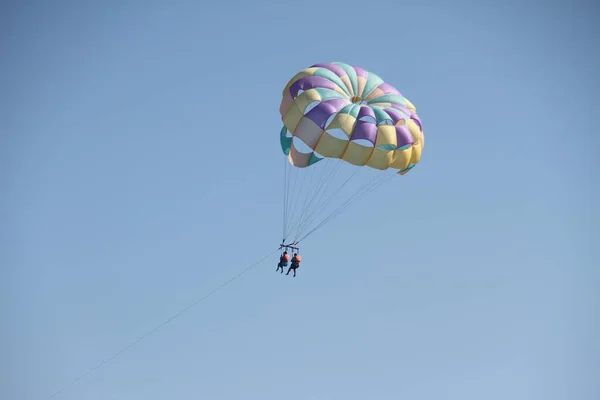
[140,169]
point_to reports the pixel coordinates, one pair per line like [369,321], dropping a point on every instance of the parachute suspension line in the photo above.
[299,193]
[162,324]
[361,192]
[315,193]
[321,206]
[285,190]
[325,184]
[315,213]
[307,195]
[370,187]
[290,176]
[309,191]
[291,218]
[357,193]
[318,193]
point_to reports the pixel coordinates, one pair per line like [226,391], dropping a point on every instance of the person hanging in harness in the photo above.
[283,261]
[295,264]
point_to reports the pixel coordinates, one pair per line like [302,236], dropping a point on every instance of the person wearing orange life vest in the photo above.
[283,261]
[295,264]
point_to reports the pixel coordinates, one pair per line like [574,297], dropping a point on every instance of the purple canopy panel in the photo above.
[365,130]
[388,89]
[366,111]
[417,120]
[361,72]
[401,108]
[321,113]
[403,136]
[310,82]
[396,116]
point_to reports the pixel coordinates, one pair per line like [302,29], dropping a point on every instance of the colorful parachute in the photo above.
[335,111]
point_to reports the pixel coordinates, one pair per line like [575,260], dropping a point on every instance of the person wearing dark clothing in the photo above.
[283,261]
[295,264]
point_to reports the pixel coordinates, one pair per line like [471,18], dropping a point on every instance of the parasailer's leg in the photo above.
[281,265]
[292,268]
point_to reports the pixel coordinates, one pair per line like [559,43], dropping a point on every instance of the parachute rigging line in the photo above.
[364,191]
[161,325]
[323,191]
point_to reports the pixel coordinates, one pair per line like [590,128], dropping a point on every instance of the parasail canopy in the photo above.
[335,110]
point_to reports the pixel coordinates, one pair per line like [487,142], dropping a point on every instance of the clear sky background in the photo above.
[140,169]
